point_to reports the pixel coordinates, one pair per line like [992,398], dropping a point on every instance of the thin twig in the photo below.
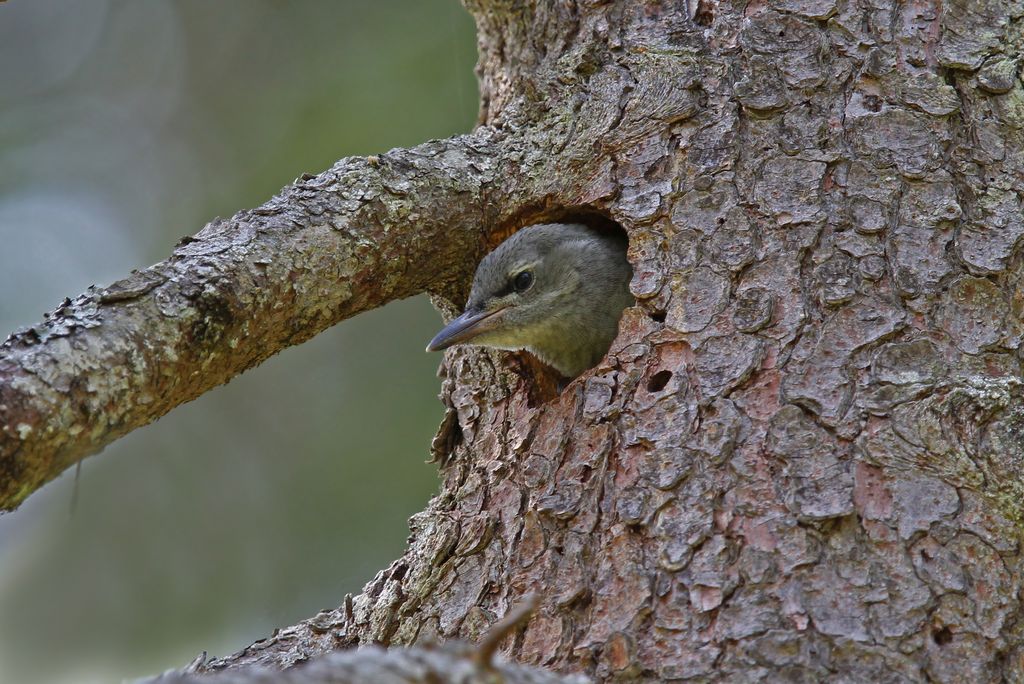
[502,628]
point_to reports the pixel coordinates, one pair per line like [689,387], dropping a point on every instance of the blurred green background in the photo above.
[124,125]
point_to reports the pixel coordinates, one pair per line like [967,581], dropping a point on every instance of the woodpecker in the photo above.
[556,290]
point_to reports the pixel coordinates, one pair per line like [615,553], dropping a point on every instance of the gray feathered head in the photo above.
[557,290]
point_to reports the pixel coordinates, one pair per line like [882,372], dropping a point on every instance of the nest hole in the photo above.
[659,381]
[591,217]
[547,384]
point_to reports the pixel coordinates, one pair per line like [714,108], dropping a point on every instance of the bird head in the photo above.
[551,289]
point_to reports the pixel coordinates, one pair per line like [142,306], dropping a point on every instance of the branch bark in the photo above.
[362,234]
[455,662]
[452,664]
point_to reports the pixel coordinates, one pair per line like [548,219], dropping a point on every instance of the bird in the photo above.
[556,290]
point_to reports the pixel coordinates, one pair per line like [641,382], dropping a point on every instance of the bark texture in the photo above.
[454,662]
[374,665]
[366,232]
[801,459]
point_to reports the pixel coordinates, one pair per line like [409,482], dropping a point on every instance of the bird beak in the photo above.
[466,327]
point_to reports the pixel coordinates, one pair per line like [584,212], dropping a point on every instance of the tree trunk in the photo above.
[800,459]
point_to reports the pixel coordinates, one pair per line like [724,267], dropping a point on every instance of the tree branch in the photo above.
[455,662]
[452,663]
[366,232]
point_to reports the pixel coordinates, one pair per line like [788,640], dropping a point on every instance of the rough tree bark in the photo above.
[800,460]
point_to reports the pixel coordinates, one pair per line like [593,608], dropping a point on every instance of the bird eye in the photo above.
[523,281]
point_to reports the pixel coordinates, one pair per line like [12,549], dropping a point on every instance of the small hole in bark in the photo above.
[705,14]
[942,636]
[658,316]
[658,381]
